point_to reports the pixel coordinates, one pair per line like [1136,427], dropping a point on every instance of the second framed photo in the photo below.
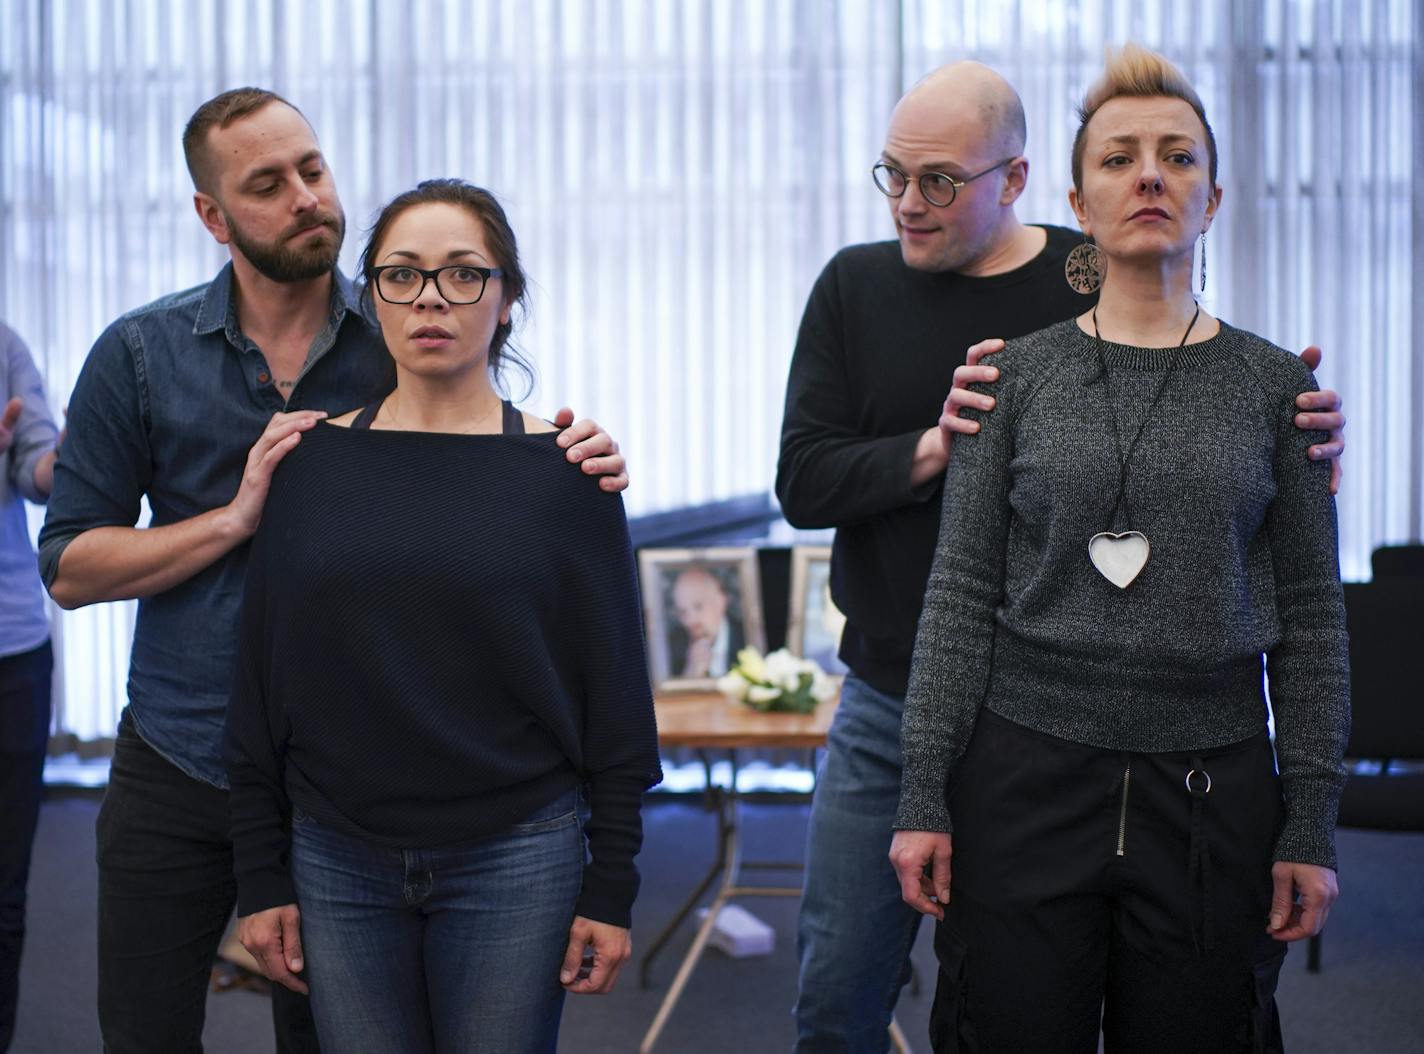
[702,606]
[814,623]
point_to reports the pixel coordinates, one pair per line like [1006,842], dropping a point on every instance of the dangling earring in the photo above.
[1084,268]
[1203,265]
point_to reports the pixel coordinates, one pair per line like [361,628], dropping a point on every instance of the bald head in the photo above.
[700,602]
[962,124]
[966,100]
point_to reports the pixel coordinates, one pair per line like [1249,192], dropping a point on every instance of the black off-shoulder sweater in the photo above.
[440,634]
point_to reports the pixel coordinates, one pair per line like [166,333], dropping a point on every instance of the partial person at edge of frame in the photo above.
[28,440]
[1106,586]
[860,452]
[440,645]
[190,402]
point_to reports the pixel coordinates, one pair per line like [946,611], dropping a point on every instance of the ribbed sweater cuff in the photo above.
[1308,835]
[922,795]
[607,901]
[267,888]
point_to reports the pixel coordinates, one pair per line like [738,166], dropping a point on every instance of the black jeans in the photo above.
[166,891]
[1093,890]
[24,734]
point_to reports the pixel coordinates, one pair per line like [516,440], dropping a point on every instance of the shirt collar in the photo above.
[217,302]
[218,310]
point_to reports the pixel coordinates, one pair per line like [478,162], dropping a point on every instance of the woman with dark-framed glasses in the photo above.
[441,654]
[1091,802]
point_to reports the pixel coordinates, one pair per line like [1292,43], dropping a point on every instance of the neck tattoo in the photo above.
[1121,557]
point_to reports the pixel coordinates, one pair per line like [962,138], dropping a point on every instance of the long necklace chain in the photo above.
[1125,460]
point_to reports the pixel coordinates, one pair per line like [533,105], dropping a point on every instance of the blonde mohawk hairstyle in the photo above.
[1135,71]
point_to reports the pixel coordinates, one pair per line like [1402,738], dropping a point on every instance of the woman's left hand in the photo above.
[593,450]
[596,952]
[1300,900]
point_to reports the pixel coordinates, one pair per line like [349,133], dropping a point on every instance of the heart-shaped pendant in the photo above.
[1119,558]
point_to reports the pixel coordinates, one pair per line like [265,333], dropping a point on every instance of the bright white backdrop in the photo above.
[678,171]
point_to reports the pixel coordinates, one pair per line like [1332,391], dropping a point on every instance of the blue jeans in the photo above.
[854,934]
[453,949]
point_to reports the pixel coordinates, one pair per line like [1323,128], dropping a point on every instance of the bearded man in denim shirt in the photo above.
[192,402]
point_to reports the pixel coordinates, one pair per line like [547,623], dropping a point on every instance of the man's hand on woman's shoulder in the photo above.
[974,371]
[1322,411]
[592,449]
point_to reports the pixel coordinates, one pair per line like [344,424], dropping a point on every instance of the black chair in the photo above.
[1398,561]
[1386,622]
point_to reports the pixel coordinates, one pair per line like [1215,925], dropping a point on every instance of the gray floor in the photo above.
[1370,997]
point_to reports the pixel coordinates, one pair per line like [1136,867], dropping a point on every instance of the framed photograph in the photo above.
[702,606]
[814,623]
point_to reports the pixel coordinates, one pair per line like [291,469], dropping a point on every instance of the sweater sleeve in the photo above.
[1309,668]
[254,748]
[35,433]
[829,474]
[620,741]
[954,646]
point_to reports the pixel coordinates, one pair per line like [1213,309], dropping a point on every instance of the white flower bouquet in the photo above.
[780,682]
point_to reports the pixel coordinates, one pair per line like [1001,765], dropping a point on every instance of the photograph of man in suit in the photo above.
[707,634]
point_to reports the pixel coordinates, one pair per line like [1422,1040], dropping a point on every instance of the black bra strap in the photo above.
[513,422]
[367,415]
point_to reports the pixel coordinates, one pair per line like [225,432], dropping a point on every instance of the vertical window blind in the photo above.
[678,171]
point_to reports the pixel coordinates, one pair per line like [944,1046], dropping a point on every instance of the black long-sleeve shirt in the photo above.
[875,358]
[439,635]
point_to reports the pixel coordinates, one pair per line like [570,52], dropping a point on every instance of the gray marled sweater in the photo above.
[1244,564]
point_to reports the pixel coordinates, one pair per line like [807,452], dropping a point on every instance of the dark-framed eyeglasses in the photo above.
[457,283]
[936,187]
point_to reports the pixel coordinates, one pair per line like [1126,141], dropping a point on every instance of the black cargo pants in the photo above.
[1096,889]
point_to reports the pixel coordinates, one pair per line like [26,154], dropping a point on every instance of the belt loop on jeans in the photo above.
[1198,784]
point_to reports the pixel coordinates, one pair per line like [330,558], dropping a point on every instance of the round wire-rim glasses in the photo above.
[937,188]
[457,283]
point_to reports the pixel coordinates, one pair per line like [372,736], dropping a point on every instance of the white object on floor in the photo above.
[739,933]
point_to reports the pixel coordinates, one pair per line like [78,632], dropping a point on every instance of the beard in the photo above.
[282,262]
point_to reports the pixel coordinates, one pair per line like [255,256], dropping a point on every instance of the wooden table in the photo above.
[707,720]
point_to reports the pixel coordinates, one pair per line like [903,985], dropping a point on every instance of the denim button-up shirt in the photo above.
[170,400]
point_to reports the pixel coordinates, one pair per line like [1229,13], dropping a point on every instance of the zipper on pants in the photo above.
[1122,813]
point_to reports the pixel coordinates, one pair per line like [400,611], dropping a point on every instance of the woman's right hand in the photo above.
[921,860]
[595,954]
[1301,898]
[274,937]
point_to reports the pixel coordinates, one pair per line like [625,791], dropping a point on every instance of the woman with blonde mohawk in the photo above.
[1131,540]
